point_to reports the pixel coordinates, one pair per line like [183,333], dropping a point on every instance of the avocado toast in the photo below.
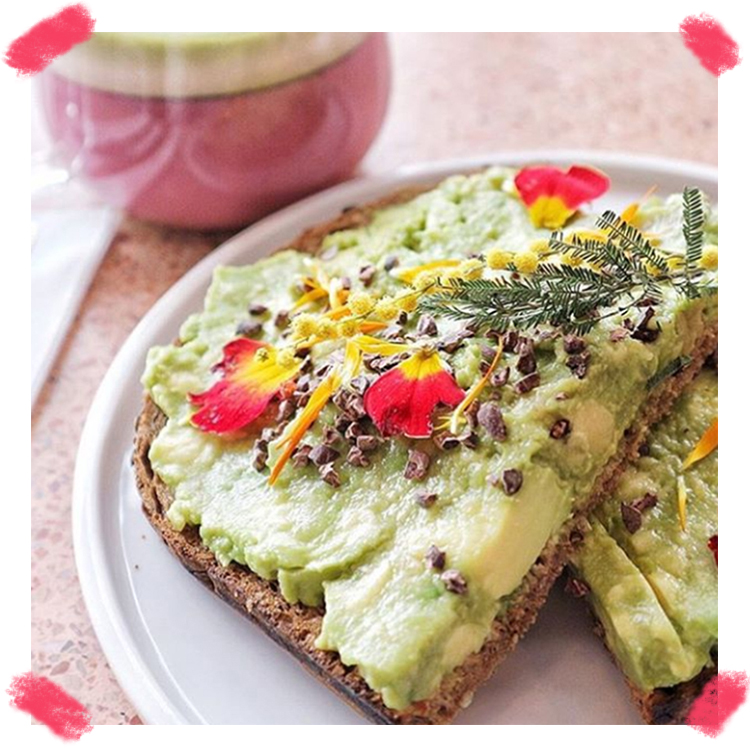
[649,566]
[433,547]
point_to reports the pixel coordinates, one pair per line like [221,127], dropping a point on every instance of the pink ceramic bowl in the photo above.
[215,130]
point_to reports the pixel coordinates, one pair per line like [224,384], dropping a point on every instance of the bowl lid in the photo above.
[196,64]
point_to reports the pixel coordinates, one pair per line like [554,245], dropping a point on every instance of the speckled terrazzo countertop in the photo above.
[454,95]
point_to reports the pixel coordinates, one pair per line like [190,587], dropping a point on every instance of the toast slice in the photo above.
[665,574]
[296,626]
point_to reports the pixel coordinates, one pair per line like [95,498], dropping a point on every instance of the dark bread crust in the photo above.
[295,627]
[663,706]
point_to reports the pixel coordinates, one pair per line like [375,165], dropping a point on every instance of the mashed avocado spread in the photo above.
[403,612]
[656,590]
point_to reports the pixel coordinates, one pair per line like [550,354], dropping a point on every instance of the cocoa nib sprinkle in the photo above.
[417,465]
[445,441]
[426,499]
[435,558]
[490,418]
[285,411]
[454,582]
[512,481]
[528,383]
[322,455]
[573,344]
[301,457]
[331,436]
[500,377]
[631,517]
[330,476]
[560,428]
[642,332]
[632,511]
[510,340]
[249,329]
[576,587]
[281,320]
[257,309]
[526,359]
[367,274]
[579,364]
[260,457]
[390,262]
[367,443]
[618,334]
[426,326]
[357,457]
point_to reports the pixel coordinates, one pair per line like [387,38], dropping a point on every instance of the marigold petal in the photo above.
[708,442]
[402,400]
[247,384]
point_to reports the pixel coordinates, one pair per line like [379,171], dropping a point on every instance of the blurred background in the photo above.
[451,96]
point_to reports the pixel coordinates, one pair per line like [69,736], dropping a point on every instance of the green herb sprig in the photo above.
[621,271]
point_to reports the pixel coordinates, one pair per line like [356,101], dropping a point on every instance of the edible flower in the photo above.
[402,400]
[252,374]
[708,442]
[318,286]
[713,544]
[553,195]
[294,432]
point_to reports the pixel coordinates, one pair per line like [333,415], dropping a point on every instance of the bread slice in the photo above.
[295,627]
[663,705]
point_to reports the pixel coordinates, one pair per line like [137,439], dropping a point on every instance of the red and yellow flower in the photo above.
[553,195]
[252,373]
[402,400]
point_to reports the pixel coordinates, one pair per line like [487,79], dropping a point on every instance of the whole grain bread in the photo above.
[295,627]
[664,706]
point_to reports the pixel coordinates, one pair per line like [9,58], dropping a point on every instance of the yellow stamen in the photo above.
[386,309]
[710,257]
[326,329]
[303,326]
[498,259]
[361,303]
[526,262]
[708,442]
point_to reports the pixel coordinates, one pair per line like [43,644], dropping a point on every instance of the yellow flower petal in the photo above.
[682,502]
[708,442]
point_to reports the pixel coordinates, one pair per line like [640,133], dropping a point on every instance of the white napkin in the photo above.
[67,247]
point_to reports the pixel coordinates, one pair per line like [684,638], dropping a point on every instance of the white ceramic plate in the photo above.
[183,656]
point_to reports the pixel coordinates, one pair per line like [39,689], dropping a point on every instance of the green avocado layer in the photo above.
[361,547]
[656,591]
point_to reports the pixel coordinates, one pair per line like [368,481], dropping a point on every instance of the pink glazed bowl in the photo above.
[209,131]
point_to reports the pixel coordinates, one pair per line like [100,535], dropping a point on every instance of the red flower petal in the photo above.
[402,400]
[713,544]
[553,195]
[247,385]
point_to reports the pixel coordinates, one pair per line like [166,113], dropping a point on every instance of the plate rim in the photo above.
[100,595]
